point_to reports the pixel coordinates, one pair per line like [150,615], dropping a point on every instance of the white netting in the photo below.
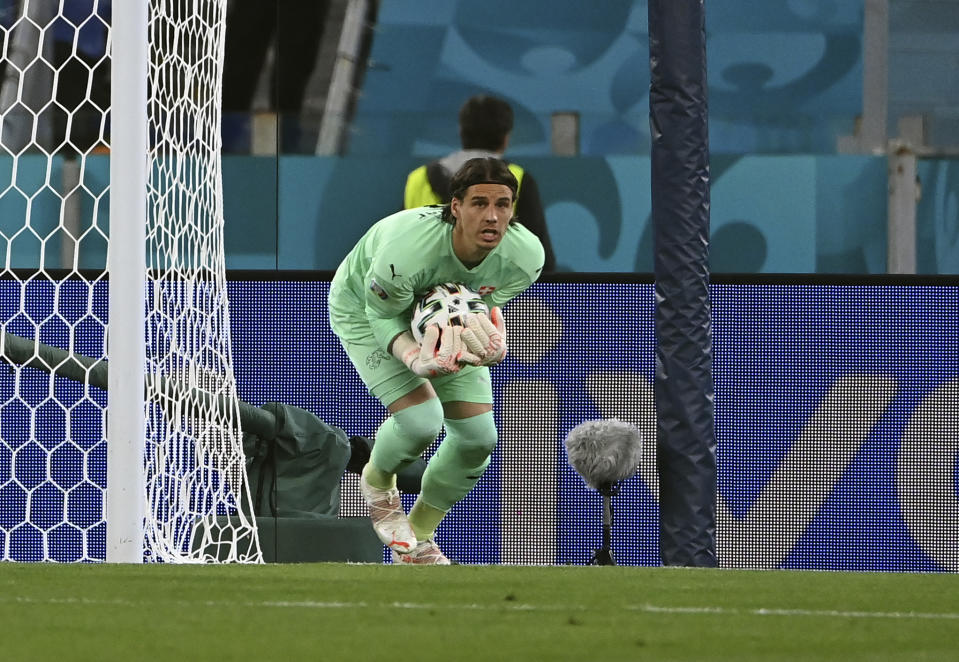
[54,176]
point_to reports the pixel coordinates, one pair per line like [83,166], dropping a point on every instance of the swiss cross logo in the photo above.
[486,289]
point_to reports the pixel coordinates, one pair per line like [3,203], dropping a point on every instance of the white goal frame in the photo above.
[126,426]
[121,433]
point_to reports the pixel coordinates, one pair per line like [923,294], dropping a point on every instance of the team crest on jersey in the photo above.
[378,291]
[377,357]
[486,289]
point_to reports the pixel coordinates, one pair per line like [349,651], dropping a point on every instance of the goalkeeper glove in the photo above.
[429,359]
[485,337]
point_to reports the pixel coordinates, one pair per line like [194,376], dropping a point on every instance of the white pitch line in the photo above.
[646,608]
[829,613]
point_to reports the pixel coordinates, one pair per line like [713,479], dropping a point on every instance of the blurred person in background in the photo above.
[83,81]
[58,45]
[485,124]
[294,28]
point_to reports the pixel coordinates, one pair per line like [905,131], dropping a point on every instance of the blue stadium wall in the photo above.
[784,76]
[837,418]
[770,214]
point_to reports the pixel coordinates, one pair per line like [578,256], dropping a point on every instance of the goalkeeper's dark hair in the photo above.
[484,170]
[485,122]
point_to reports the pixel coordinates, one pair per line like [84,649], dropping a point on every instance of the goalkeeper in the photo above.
[445,381]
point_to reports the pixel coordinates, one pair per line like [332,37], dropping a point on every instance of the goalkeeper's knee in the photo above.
[405,435]
[459,461]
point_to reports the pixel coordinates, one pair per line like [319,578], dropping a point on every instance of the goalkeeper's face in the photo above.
[482,218]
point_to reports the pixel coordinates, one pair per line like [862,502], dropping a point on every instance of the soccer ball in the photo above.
[444,304]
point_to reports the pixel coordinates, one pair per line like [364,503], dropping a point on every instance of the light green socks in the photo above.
[453,470]
[424,519]
[378,479]
[403,436]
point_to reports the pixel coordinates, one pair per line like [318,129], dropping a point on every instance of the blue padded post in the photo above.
[680,209]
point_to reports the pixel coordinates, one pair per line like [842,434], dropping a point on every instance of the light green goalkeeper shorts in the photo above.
[388,379]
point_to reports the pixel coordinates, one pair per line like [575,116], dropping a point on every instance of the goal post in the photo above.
[126,263]
[111,245]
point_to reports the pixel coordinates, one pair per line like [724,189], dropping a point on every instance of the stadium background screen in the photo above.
[837,419]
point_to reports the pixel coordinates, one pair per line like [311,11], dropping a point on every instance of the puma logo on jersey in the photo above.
[393,271]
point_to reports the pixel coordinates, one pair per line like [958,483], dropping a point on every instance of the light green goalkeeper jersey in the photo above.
[402,256]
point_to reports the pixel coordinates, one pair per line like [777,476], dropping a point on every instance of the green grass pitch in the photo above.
[373,612]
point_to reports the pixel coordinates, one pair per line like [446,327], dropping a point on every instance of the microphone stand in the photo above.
[604,555]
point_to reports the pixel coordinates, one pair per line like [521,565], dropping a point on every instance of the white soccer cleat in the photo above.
[389,520]
[425,553]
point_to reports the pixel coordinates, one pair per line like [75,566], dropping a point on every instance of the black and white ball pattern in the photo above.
[447,303]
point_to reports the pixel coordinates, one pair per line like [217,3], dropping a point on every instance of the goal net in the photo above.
[192,502]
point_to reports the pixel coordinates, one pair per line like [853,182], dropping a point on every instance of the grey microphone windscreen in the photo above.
[604,451]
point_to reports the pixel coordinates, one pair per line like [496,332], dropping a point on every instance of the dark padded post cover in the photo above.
[680,210]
